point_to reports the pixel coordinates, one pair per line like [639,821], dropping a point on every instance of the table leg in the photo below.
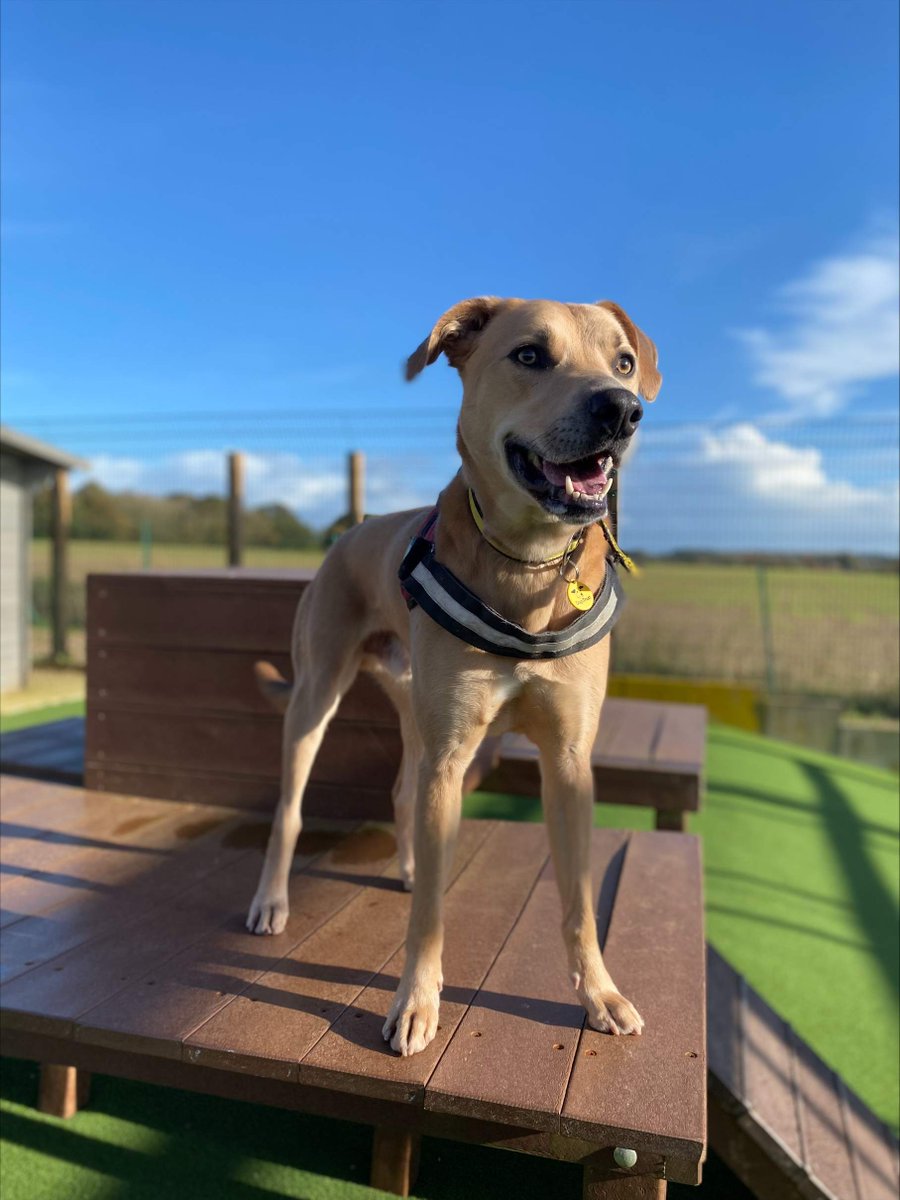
[395,1160]
[598,1186]
[666,818]
[63,1090]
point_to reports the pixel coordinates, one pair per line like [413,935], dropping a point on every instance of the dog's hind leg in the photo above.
[405,786]
[323,676]
[388,661]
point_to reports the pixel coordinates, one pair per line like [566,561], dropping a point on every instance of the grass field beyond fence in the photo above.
[833,633]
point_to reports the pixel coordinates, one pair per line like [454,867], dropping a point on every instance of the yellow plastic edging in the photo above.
[731,703]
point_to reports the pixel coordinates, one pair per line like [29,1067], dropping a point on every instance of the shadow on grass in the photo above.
[873,904]
[781,888]
[810,811]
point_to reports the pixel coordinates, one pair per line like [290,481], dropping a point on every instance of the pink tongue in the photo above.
[586,476]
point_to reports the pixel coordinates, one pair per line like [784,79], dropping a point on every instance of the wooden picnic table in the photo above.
[124,952]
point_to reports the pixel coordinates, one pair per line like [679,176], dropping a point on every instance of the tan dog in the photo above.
[550,395]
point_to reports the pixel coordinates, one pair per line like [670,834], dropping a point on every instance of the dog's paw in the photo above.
[610,1012]
[413,1020]
[268,914]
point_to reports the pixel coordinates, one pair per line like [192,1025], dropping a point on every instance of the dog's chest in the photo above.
[516,692]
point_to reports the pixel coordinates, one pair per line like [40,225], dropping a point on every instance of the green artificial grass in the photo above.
[38,716]
[802,897]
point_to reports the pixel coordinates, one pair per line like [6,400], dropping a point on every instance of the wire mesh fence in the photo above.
[769,552]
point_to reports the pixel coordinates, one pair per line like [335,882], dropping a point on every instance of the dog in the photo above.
[497,625]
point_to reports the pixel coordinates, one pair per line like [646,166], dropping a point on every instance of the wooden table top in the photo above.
[123,929]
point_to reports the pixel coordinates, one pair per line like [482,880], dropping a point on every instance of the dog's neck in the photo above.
[515,530]
[534,598]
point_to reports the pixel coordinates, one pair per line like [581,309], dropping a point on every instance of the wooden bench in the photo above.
[173,712]
[124,952]
[646,753]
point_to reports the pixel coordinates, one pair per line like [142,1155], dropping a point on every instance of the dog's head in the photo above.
[551,396]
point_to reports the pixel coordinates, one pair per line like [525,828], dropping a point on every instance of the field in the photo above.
[832,633]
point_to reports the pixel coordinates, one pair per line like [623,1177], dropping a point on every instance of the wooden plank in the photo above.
[828,1158]
[873,1149]
[478,914]
[248,792]
[627,732]
[246,744]
[93,880]
[240,611]
[91,960]
[167,1001]
[511,1057]
[208,680]
[770,1091]
[651,1090]
[277,1021]
[17,795]
[682,737]
[723,1023]
[212,843]
[518,773]
[169,1072]
[47,836]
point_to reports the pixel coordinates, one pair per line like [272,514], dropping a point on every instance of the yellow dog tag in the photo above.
[580,595]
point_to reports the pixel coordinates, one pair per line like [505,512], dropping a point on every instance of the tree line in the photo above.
[100,515]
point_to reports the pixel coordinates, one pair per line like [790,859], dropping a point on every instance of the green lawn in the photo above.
[802,897]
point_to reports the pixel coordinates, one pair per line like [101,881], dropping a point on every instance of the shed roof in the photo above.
[28,447]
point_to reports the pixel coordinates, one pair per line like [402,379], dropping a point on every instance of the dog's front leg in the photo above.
[568,798]
[412,1021]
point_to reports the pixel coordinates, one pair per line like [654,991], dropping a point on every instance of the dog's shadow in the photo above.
[355,1024]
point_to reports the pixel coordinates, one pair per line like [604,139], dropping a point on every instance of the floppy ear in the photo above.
[454,334]
[651,380]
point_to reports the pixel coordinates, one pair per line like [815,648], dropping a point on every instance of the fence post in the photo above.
[612,507]
[62,519]
[235,509]
[356,466]
[765,616]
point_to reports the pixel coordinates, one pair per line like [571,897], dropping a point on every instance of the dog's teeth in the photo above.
[570,486]
[604,490]
[608,465]
[534,460]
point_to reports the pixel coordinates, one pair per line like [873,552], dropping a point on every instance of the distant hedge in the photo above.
[121,516]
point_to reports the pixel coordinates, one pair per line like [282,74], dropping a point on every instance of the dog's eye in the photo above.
[530,356]
[625,364]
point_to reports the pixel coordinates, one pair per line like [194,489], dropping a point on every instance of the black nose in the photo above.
[615,412]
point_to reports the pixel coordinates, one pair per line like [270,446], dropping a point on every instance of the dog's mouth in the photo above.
[576,491]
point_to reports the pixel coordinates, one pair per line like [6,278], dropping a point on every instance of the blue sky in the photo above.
[255,210]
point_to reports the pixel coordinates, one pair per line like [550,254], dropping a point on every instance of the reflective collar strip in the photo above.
[450,603]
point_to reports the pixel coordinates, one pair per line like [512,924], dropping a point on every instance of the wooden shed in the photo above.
[25,464]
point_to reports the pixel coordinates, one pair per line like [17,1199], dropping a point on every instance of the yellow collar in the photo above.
[618,553]
[478,518]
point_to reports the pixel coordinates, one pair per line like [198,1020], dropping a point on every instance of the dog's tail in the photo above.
[273,685]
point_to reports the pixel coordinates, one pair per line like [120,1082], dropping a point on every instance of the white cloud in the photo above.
[842,331]
[738,489]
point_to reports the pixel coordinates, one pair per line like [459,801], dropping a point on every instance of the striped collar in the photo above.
[429,584]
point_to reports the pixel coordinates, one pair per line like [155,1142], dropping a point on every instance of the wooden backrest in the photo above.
[173,710]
